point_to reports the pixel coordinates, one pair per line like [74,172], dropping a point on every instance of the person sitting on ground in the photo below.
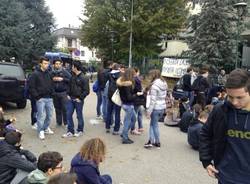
[6,125]
[63,178]
[15,163]
[195,128]
[85,164]
[188,116]
[49,164]
[183,106]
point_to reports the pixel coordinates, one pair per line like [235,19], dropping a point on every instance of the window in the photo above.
[82,53]
[69,42]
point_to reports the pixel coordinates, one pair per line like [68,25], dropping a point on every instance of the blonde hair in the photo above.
[93,149]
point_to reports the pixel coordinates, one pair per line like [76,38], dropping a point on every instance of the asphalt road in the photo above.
[174,163]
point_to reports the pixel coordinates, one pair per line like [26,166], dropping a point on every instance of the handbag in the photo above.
[116,98]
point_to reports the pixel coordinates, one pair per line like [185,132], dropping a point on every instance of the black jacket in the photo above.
[79,86]
[126,92]
[113,76]
[139,100]
[213,136]
[187,82]
[11,159]
[103,77]
[200,84]
[61,86]
[41,84]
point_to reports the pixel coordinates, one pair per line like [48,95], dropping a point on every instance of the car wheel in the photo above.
[21,104]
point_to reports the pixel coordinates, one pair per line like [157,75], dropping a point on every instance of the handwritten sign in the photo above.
[174,68]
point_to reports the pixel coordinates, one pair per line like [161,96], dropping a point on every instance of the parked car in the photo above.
[12,84]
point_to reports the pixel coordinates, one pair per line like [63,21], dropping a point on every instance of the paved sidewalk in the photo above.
[174,163]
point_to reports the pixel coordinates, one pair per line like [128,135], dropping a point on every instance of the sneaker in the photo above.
[148,145]
[115,133]
[78,134]
[48,131]
[68,134]
[34,127]
[157,145]
[140,130]
[107,131]
[99,118]
[135,132]
[41,135]
[127,141]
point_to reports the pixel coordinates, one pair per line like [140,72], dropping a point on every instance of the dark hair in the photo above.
[115,66]
[57,60]
[49,160]
[42,58]
[136,69]
[77,65]
[63,178]
[238,78]
[128,75]
[13,137]
[189,69]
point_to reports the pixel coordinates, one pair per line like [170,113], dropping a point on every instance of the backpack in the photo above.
[95,86]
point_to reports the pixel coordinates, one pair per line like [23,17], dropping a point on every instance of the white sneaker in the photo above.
[48,131]
[99,118]
[34,127]
[78,134]
[68,134]
[41,135]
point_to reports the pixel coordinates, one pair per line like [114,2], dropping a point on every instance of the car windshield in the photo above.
[11,71]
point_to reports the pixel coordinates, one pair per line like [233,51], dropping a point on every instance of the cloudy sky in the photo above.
[66,11]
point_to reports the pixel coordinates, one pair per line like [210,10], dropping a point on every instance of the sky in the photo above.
[66,12]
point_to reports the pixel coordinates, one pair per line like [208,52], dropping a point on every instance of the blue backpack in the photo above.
[95,86]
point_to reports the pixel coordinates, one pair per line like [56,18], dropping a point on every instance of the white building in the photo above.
[69,38]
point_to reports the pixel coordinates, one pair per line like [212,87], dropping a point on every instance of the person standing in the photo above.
[225,138]
[78,90]
[157,106]
[61,79]
[41,89]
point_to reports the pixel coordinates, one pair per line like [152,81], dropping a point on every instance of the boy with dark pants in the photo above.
[78,90]
[225,138]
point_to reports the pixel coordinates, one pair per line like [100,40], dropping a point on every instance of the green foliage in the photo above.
[214,32]
[151,19]
[25,29]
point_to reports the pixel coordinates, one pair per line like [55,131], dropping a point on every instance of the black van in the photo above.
[12,84]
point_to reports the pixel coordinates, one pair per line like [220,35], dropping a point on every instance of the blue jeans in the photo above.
[130,118]
[78,106]
[154,134]
[104,106]
[99,103]
[138,112]
[44,113]
[113,108]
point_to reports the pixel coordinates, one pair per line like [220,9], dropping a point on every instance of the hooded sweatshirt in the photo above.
[234,166]
[87,171]
[158,92]
[37,176]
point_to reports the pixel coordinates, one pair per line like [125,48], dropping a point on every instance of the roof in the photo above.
[174,48]
[67,32]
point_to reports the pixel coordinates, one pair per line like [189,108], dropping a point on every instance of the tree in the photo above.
[25,29]
[213,41]
[110,20]
[14,25]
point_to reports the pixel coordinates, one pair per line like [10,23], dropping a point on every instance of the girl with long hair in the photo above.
[157,106]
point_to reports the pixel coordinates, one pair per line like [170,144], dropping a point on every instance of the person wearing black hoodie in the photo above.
[225,138]
[14,161]
[41,89]
[61,79]
[195,128]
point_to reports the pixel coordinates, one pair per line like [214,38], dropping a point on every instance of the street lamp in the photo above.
[240,7]
[131,34]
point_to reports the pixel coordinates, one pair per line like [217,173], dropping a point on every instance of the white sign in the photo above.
[174,68]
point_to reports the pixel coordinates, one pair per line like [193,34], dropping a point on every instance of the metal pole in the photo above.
[237,40]
[131,34]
